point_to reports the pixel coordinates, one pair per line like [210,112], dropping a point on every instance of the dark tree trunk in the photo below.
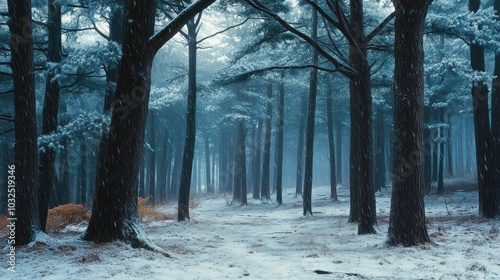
[83,172]
[311,112]
[331,146]
[152,159]
[142,178]
[115,212]
[265,191]
[238,171]
[25,149]
[427,152]
[495,117]
[300,147]
[223,161]
[209,187]
[449,149]
[363,152]
[49,112]
[407,215]
[338,136]
[190,140]
[440,188]
[279,143]
[484,156]
[176,171]
[379,147]
[163,167]
[256,165]
[243,160]
[64,159]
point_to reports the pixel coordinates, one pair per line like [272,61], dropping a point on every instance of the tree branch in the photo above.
[6,118]
[222,31]
[381,26]
[344,69]
[249,74]
[160,38]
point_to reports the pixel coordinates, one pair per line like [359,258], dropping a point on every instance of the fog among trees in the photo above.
[123,120]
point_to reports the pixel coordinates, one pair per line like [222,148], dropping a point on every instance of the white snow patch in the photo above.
[267,241]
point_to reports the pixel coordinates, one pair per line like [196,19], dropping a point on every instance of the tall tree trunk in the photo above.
[379,147]
[363,152]
[311,112]
[427,152]
[338,137]
[83,172]
[440,189]
[495,116]
[331,146]
[238,171]
[49,112]
[152,159]
[142,178]
[301,146]
[163,167]
[223,161]
[256,166]
[265,191]
[64,159]
[279,142]
[190,140]
[407,214]
[209,187]
[484,156]
[449,148]
[25,149]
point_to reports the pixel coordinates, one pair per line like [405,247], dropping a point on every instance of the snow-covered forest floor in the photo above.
[267,241]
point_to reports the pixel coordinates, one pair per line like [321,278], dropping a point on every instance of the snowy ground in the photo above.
[264,241]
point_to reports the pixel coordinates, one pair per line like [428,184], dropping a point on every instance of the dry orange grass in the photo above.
[63,215]
[3,226]
[149,213]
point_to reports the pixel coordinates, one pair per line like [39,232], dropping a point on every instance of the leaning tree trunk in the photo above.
[189,143]
[311,112]
[25,149]
[331,146]
[484,156]
[115,211]
[49,112]
[407,214]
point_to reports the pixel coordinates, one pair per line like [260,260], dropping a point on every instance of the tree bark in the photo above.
[338,137]
[49,112]
[152,159]
[300,147]
[279,142]
[495,116]
[209,187]
[427,152]
[363,152]
[25,149]
[83,172]
[256,166]
[331,146]
[440,189]
[311,112]
[190,140]
[484,155]
[379,147]
[407,214]
[265,191]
